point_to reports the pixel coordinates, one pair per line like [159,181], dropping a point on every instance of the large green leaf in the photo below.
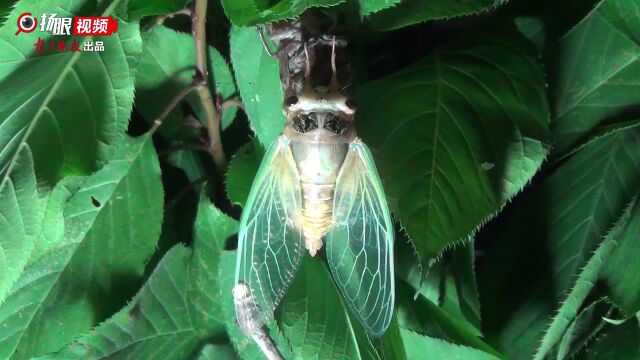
[316,321]
[111,225]
[258,78]
[19,219]
[177,311]
[70,108]
[536,259]
[418,346]
[593,67]
[585,281]
[456,136]
[410,12]
[620,272]
[154,325]
[251,12]
[163,73]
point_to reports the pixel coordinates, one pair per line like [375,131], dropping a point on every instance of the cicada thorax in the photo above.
[320,128]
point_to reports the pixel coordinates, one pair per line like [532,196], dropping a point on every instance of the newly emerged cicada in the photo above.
[318,187]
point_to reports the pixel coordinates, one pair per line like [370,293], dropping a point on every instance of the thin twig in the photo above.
[198,20]
[172,104]
[188,188]
[231,103]
[159,20]
[265,44]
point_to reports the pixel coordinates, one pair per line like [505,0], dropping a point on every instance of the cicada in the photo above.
[318,187]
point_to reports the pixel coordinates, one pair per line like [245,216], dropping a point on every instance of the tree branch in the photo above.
[198,20]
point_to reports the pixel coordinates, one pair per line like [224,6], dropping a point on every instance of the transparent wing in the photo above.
[270,244]
[360,243]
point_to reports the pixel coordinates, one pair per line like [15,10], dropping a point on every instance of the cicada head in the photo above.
[328,109]
[320,111]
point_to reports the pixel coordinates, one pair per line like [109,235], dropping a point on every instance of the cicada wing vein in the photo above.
[360,243]
[270,241]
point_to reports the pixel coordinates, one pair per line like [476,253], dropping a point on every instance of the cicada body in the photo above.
[318,187]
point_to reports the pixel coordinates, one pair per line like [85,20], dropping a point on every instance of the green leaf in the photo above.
[616,342]
[217,352]
[316,321]
[417,346]
[450,283]
[368,7]
[423,316]
[620,272]
[251,12]
[5,8]
[245,346]
[20,216]
[190,162]
[164,72]
[583,329]
[52,233]
[535,260]
[177,310]
[258,78]
[155,324]
[410,12]
[544,23]
[101,256]
[465,128]
[73,108]
[601,131]
[391,346]
[593,67]
[212,230]
[586,280]
[534,29]
[242,170]
[140,8]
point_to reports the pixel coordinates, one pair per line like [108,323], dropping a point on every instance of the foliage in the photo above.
[506,135]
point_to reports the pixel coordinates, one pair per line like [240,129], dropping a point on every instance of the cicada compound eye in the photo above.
[335,124]
[303,123]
